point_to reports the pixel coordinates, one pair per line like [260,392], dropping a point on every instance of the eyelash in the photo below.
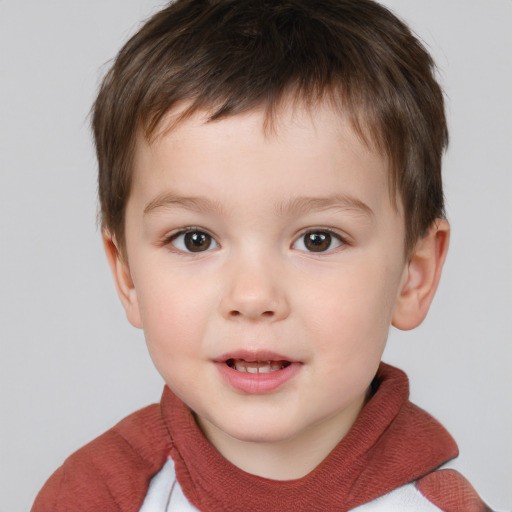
[333,237]
[170,239]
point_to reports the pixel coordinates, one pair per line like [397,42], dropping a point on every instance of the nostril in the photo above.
[265,314]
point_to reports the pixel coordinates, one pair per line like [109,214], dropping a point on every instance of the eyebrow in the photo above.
[295,206]
[339,202]
[172,200]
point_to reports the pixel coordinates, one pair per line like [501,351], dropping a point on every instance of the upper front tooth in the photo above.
[252,369]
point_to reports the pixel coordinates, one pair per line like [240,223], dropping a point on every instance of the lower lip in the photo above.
[257,383]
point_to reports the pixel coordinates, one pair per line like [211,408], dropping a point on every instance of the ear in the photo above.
[122,279]
[421,277]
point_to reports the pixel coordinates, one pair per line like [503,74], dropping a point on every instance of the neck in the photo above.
[288,459]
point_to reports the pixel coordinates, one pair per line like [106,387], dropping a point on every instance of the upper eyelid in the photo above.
[189,229]
[321,229]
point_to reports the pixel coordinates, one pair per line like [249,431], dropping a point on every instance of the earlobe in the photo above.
[122,280]
[422,276]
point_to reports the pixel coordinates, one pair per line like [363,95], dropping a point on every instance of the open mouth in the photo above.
[257,372]
[241,365]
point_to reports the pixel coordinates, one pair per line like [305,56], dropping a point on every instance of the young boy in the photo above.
[271,202]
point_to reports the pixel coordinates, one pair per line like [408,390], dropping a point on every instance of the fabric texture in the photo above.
[392,443]
[165,495]
[451,491]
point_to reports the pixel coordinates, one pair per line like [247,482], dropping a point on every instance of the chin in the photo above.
[254,432]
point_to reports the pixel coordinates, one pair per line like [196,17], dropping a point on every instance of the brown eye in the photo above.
[197,241]
[317,242]
[194,241]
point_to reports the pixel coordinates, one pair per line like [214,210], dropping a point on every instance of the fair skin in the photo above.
[266,270]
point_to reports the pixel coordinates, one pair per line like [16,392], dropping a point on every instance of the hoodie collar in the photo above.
[393,442]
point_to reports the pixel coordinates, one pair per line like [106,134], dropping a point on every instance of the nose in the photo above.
[255,291]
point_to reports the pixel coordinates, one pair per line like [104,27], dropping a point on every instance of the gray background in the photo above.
[71,366]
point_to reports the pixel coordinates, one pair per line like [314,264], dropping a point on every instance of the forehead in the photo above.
[302,150]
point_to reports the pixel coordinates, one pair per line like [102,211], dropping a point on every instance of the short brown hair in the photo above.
[231,56]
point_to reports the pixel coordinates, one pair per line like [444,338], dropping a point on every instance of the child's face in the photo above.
[245,249]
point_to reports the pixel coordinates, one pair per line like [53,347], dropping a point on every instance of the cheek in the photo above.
[173,316]
[357,306]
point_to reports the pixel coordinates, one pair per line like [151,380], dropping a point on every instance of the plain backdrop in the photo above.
[71,365]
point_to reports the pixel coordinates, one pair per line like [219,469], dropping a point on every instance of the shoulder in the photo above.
[444,490]
[112,472]
[451,492]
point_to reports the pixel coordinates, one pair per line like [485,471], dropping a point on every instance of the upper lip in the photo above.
[254,356]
